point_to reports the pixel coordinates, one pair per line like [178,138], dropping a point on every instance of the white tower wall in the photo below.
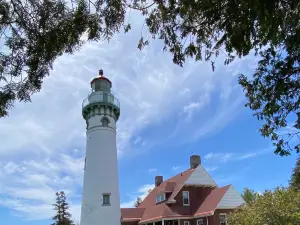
[101,166]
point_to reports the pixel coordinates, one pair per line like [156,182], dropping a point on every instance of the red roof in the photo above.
[148,210]
[173,184]
[101,78]
[211,201]
[131,214]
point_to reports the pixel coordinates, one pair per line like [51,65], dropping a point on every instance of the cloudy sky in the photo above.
[168,113]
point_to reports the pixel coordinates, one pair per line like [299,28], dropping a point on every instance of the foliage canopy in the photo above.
[249,195]
[295,178]
[281,206]
[37,32]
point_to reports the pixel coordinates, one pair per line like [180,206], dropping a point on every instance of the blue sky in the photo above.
[168,113]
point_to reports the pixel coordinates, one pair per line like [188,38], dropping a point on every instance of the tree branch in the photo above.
[139,8]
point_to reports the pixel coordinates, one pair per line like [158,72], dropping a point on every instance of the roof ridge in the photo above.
[205,176]
[177,175]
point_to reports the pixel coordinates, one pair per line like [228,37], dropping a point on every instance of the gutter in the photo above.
[209,213]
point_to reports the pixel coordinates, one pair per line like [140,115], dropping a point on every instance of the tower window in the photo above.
[106,199]
[105,121]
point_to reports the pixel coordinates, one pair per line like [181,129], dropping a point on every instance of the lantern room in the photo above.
[101,99]
[101,83]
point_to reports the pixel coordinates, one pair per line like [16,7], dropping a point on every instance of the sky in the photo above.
[168,113]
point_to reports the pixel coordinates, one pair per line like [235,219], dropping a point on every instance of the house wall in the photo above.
[197,196]
[181,222]
[209,220]
[194,221]
[215,219]
[129,223]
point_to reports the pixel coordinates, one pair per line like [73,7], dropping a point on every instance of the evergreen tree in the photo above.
[137,202]
[249,195]
[62,217]
[295,178]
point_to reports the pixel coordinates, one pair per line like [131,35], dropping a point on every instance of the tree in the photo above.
[204,29]
[281,206]
[36,33]
[138,201]
[62,217]
[295,178]
[249,195]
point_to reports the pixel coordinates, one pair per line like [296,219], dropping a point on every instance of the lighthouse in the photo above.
[100,196]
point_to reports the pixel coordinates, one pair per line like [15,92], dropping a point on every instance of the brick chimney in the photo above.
[158,180]
[195,160]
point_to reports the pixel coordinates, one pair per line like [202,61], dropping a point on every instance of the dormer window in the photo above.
[161,197]
[186,198]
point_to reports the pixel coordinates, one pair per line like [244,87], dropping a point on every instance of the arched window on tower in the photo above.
[105,121]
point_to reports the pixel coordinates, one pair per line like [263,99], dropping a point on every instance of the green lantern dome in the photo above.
[101,99]
[101,83]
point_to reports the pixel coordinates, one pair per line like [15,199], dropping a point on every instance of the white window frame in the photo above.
[186,223]
[160,197]
[188,197]
[223,214]
[198,222]
[103,203]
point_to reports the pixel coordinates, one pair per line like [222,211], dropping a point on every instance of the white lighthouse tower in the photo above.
[100,197]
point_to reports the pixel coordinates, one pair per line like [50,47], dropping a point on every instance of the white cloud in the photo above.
[184,91]
[224,157]
[31,185]
[192,106]
[249,155]
[142,192]
[151,170]
[146,82]
[28,210]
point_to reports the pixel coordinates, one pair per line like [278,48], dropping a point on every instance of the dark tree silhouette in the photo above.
[62,217]
[137,202]
[295,178]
